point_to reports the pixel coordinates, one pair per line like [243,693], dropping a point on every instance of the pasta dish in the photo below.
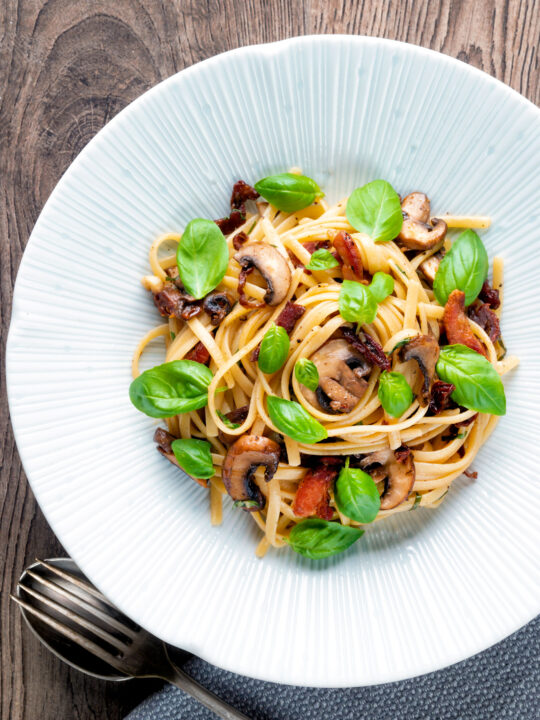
[326,366]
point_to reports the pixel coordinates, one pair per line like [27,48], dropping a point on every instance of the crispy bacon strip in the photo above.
[199,354]
[440,396]
[242,192]
[286,319]
[313,494]
[484,316]
[490,296]
[352,262]
[471,474]
[368,347]
[227,225]
[456,323]
[239,239]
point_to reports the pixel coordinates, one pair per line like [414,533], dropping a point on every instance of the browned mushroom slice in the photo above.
[430,266]
[243,458]
[425,350]
[418,232]
[341,372]
[397,468]
[272,266]
[217,305]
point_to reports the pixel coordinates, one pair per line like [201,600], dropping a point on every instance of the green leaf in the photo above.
[202,257]
[289,192]
[322,260]
[306,373]
[274,349]
[394,393]
[478,385]
[172,388]
[464,267]
[356,495]
[194,457]
[226,420]
[381,286]
[316,539]
[293,420]
[417,501]
[356,302]
[398,345]
[375,209]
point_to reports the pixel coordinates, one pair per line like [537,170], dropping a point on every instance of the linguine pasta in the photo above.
[442,444]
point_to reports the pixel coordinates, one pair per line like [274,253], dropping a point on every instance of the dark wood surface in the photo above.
[66,68]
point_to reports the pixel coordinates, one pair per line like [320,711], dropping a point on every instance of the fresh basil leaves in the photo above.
[172,388]
[293,420]
[394,393]
[464,267]
[289,192]
[356,495]
[316,539]
[194,457]
[375,209]
[322,260]
[274,349]
[306,373]
[478,385]
[225,420]
[202,256]
[358,302]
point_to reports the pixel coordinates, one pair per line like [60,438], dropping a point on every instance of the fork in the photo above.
[70,606]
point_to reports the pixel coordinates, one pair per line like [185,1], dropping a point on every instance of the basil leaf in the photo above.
[288,192]
[375,209]
[381,286]
[356,302]
[170,389]
[315,538]
[394,393]
[464,267]
[225,420]
[322,260]
[398,345]
[306,373]
[417,501]
[478,385]
[202,257]
[194,457]
[274,349]
[293,420]
[356,495]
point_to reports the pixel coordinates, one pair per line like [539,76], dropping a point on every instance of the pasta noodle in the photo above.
[442,450]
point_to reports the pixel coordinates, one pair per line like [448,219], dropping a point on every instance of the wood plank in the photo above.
[66,68]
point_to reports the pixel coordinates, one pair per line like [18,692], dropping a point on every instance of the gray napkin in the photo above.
[502,683]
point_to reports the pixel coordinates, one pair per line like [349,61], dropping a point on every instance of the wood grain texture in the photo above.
[66,68]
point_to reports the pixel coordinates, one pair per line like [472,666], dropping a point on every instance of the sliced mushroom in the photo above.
[418,232]
[241,461]
[217,305]
[272,266]
[430,266]
[341,372]
[397,468]
[425,350]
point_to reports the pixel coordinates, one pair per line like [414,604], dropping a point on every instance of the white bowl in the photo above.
[421,590]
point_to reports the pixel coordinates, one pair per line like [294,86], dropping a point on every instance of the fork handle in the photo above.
[207,698]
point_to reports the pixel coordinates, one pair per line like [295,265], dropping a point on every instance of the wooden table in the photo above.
[68,66]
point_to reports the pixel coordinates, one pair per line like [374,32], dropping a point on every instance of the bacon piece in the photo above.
[465,423]
[484,316]
[456,323]
[242,299]
[190,310]
[238,415]
[286,319]
[352,262]
[440,397]
[227,225]
[242,192]
[313,494]
[170,301]
[367,347]
[296,261]
[199,354]
[239,239]
[471,474]
[312,245]
[490,296]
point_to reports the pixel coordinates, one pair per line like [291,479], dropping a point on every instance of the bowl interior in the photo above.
[419,591]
